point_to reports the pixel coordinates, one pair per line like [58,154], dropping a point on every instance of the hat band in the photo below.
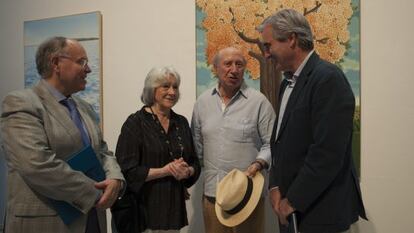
[246,198]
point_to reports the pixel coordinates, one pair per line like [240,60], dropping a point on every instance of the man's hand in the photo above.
[285,209]
[275,199]
[110,188]
[252,169]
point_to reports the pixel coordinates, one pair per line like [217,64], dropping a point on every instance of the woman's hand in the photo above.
[180,169]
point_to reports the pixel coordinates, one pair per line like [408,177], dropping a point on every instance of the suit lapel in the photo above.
[300,83]
[282,89]
[57,110]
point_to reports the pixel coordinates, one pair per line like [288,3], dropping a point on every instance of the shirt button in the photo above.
[171,153]
[168,142]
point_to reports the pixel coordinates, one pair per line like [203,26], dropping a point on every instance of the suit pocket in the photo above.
[33,210]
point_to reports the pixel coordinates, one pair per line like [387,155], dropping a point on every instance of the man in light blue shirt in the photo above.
[232,125]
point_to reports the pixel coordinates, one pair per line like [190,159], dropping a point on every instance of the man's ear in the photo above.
[55,64]
[293,39]
[214,70]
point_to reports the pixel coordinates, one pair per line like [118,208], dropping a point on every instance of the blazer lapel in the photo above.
[300,83]
[282,89]
[57,110]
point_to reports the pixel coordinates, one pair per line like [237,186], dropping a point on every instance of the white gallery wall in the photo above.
[138,35]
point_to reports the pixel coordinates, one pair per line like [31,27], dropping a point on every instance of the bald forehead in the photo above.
[74,46]
[230,51]
[227,52]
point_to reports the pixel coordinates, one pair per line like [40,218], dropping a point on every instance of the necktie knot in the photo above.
[69,103]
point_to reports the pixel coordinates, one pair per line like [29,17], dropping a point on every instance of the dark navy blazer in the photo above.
[312,156]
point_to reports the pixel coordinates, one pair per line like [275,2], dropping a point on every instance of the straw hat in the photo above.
[237,196]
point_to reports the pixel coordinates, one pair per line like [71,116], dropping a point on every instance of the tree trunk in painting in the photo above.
[270,79]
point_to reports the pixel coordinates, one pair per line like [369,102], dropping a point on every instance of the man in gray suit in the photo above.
[41,128]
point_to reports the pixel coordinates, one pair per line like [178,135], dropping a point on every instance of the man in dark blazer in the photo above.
[40,134]
[312,172]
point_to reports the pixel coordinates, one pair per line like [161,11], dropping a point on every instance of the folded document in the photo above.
[86,162]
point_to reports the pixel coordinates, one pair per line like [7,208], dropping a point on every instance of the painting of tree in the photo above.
[223,23]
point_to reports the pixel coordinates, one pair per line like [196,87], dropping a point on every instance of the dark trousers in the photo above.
[92,225]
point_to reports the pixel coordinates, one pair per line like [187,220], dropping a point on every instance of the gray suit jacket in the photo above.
[38,136]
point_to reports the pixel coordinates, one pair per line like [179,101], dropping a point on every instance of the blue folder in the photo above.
[86,162]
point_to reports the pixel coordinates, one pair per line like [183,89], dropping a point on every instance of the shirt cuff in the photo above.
[272,188]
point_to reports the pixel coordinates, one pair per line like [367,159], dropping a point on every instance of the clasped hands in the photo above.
[179,169]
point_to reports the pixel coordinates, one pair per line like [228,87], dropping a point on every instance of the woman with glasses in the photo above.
[156,154]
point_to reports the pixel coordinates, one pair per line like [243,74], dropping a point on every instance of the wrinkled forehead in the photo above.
[231,55]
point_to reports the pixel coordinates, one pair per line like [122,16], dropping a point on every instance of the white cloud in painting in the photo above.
[349,64]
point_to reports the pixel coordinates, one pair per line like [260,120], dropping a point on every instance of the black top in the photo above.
[144,144]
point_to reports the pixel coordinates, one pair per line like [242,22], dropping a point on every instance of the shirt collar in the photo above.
[243,90]
[292,77]
[300,68]
[173,115]
[58,96]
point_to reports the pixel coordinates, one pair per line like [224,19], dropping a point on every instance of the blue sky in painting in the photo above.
[73,26]
[351,62]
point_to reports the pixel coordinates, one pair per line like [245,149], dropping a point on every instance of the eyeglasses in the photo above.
[83,62]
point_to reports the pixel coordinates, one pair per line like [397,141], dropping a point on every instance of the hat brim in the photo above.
[232,220]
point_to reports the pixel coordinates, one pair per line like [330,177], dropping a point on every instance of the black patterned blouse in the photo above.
[144,144]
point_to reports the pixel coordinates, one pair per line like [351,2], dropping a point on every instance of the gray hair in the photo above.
[155,78]
[286,22]
[46,51]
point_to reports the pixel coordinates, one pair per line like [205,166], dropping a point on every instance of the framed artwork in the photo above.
[85,28]
[336,29]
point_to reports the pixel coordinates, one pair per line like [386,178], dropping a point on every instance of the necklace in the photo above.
[163,131]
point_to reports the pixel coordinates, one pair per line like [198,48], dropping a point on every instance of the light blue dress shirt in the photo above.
[233,136]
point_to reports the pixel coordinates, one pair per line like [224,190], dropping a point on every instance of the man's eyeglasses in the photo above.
[83,62]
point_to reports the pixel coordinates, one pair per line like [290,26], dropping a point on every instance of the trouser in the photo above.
[254,223]
[92,224]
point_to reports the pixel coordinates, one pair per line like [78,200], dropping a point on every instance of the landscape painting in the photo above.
[86,28]
[336,29]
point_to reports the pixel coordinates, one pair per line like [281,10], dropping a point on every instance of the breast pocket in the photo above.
[241,130]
